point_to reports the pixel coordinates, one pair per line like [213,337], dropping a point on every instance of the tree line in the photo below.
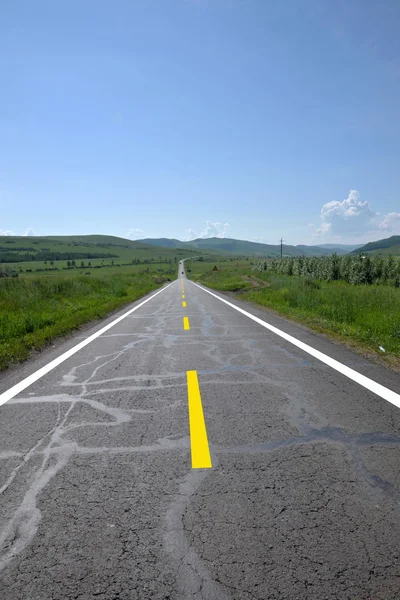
[356,269]
[12,257]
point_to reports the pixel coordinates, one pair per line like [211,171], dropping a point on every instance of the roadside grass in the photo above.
[226,281]
[366,316]
[35,310]
[230,276]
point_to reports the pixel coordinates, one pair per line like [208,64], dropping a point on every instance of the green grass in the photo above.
[230,277]
[197,268]
[368,316]
[107,268]
[226,281]
[43,299]
[14,250]
[36,309]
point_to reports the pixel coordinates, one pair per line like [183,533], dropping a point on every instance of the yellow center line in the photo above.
[183,295]
[186,323]
[183,304]
[201,458]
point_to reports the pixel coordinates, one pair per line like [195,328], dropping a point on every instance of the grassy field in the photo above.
[35,309]
[38,270]
[52,285]
[230,276]
[366,316]
[57,252]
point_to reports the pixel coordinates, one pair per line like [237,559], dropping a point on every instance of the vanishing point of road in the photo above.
[196,447]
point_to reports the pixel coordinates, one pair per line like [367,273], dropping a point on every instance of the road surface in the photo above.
[294,488]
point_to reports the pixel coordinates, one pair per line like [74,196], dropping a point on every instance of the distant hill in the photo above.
[334,247]
[96,248]
[244,248]
[163,242]
[321,250]
[108,250]
[389,245]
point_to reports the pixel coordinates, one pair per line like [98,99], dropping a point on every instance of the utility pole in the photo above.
[281,247]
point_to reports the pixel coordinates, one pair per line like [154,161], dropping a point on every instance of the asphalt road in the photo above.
[99,499]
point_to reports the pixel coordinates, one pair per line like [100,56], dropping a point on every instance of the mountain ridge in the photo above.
[390,245]
[245,247]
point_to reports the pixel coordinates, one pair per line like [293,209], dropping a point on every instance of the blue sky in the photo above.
[179,118]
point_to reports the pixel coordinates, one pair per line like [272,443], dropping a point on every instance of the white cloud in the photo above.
[135,234]
[190,234]
[212,229]
[323,229]
[29,232]
[215,229]
[349,216]
[354,218]
[391,222]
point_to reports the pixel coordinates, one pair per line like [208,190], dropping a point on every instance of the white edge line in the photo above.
[22,385]
[367,383]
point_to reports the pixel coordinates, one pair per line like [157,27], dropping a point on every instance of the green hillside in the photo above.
[231,246]
[244,248]
[319,250]
[164,242]
[389,245]
[98,249]
[348,247]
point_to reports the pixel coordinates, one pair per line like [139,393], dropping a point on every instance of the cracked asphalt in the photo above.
[98,499]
